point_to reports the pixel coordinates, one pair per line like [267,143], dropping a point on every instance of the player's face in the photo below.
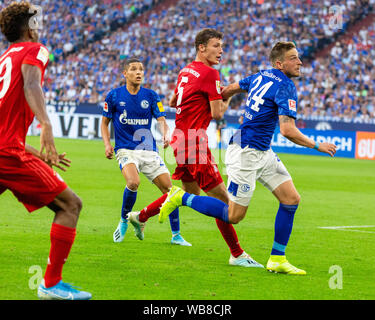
[212,51]
[134,73]
[291,65]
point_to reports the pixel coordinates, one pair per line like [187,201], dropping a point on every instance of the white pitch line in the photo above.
[345,228]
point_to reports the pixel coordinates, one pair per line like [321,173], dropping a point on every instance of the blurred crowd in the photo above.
[342,84]
[89,41]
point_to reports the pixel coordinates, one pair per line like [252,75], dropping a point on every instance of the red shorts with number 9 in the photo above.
[30,179]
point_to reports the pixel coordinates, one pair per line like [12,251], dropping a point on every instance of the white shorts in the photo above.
[148,162]
[245,166]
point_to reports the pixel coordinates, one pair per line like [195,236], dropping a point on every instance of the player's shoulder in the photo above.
[24,48]
[30,45]
[208,70]
[276,75]
[113,93]
[199,69]
[148,93]
[36,52]
[279,78]
[144,90]
[37,47]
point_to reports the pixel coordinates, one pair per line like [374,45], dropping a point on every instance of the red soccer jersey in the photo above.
[16,115]
[197,85]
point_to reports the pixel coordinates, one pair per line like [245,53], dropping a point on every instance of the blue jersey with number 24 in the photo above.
[270,94]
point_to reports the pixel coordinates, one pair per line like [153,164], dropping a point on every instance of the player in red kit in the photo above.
[197,99]
[24,170]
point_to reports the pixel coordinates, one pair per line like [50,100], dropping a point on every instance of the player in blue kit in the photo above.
[272,97]
[131,109]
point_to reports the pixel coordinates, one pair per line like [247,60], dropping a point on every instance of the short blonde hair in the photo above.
[279,49]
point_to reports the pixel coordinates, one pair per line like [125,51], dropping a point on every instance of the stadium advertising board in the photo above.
[365,145]
[84,123]
[344,140]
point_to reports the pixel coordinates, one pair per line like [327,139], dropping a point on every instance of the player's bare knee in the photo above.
[74,206]
[293,199]
[165,189]
[235,218]
[296,198]
[133,185]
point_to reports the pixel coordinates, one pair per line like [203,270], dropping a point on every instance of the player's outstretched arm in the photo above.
[231,90]
[218,107]
[32,76]
[164,130]
[289,130]
[104,127]
[63,161]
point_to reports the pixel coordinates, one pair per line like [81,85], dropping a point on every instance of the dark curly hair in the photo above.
[14,20]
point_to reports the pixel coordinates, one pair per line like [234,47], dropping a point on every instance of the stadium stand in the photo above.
[89,41]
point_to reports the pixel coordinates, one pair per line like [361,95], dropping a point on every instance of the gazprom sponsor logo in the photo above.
[134,122]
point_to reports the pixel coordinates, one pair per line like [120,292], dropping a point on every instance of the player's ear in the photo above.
[31,34]
[278,64]
[202,47]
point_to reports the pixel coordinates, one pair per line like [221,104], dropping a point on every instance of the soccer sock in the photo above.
[206,205]
[128,202]
[230,236]
[152,209]
[174,220]
[62,239]
[283,228]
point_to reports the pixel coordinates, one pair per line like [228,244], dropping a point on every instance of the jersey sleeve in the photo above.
[245,83]
[157,106]
[109,105]
[37,56]
[211,85]
[286,100]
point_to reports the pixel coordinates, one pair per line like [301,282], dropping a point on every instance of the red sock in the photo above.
[230,237]
[152,209]
[62,239]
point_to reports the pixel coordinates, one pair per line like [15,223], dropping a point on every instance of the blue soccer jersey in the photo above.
[132,116]
[270,94]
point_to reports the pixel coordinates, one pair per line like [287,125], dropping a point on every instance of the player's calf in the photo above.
[67,207]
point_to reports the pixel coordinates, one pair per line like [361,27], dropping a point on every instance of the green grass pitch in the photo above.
[335,192]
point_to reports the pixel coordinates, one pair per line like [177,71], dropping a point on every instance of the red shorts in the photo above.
[30,179]
[205,171]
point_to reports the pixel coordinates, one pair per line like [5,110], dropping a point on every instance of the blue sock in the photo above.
[128,202]
[209,206]
[283,228]
[174,220]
